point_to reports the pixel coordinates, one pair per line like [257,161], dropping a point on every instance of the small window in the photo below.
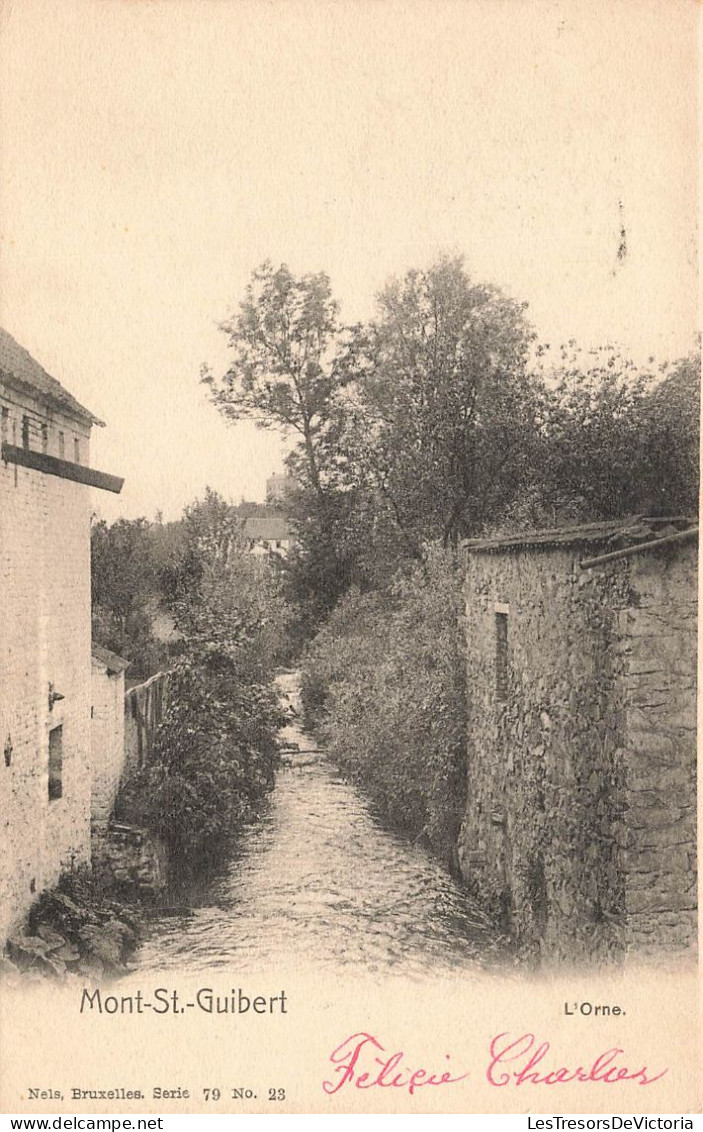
[62,446]
[25,432]
[76,450]
[44,438]
[501,657]
[55,763]
[5,418]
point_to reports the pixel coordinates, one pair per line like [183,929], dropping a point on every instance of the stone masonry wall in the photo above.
[45,640]
[132,859]
[544,781]
[581,756]
[659,849]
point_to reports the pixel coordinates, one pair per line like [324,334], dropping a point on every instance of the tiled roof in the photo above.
[111,660]
[617,533]
[272,528]
[18,367]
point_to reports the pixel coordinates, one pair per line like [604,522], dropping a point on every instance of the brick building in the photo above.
[45,646]
[581,811]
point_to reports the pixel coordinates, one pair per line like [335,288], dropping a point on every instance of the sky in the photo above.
[154,153]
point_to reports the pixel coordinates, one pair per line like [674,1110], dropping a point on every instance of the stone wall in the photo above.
[45,641]
[659,631]
[133,860]
[144,708]
[581,747]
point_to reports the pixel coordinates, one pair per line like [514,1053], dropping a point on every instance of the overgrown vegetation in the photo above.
[147,575]
[383,687]
[214,758]
[79,927]
[215,751]
[440,418]
[125,593]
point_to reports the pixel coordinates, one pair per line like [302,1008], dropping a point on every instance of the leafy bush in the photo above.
[616,440]
[214,757]
[227,594]
[215,751]
[124,589]
[383,688]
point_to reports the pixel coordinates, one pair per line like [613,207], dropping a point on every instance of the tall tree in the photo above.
[284,374]
[124,591]
[283,343]
[445,404]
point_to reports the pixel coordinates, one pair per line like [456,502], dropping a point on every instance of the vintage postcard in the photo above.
[349,379]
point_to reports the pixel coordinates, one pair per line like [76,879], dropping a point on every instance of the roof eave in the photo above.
[74,410]
[586,534]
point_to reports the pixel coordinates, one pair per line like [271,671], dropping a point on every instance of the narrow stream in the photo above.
[318,880]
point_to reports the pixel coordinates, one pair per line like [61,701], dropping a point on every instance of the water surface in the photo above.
[318,881]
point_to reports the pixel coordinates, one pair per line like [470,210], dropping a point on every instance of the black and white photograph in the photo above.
[349,493]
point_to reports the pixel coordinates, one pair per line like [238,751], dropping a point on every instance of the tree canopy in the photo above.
[283,347]
[446,404]
[441,417]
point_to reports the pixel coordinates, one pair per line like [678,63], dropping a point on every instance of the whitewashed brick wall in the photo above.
[44,639]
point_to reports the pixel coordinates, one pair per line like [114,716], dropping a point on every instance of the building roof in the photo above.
[273,528]
[18,368]
[111,660]
[616,533]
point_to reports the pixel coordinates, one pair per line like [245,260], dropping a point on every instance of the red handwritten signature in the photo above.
[355,1052]
[363,1062]
[525,1053]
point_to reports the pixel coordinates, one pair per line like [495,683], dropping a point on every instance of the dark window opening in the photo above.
[5,418]
[502,657]
[62,446]
[25,432]
[44,438]
[76,450]
[55,763]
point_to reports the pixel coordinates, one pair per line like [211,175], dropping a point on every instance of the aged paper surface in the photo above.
[153,154]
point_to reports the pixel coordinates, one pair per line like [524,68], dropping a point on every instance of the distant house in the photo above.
[45,644]
[581,803]
[270,535]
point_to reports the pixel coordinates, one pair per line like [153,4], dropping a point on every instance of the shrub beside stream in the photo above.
[383,689]
[214,758]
